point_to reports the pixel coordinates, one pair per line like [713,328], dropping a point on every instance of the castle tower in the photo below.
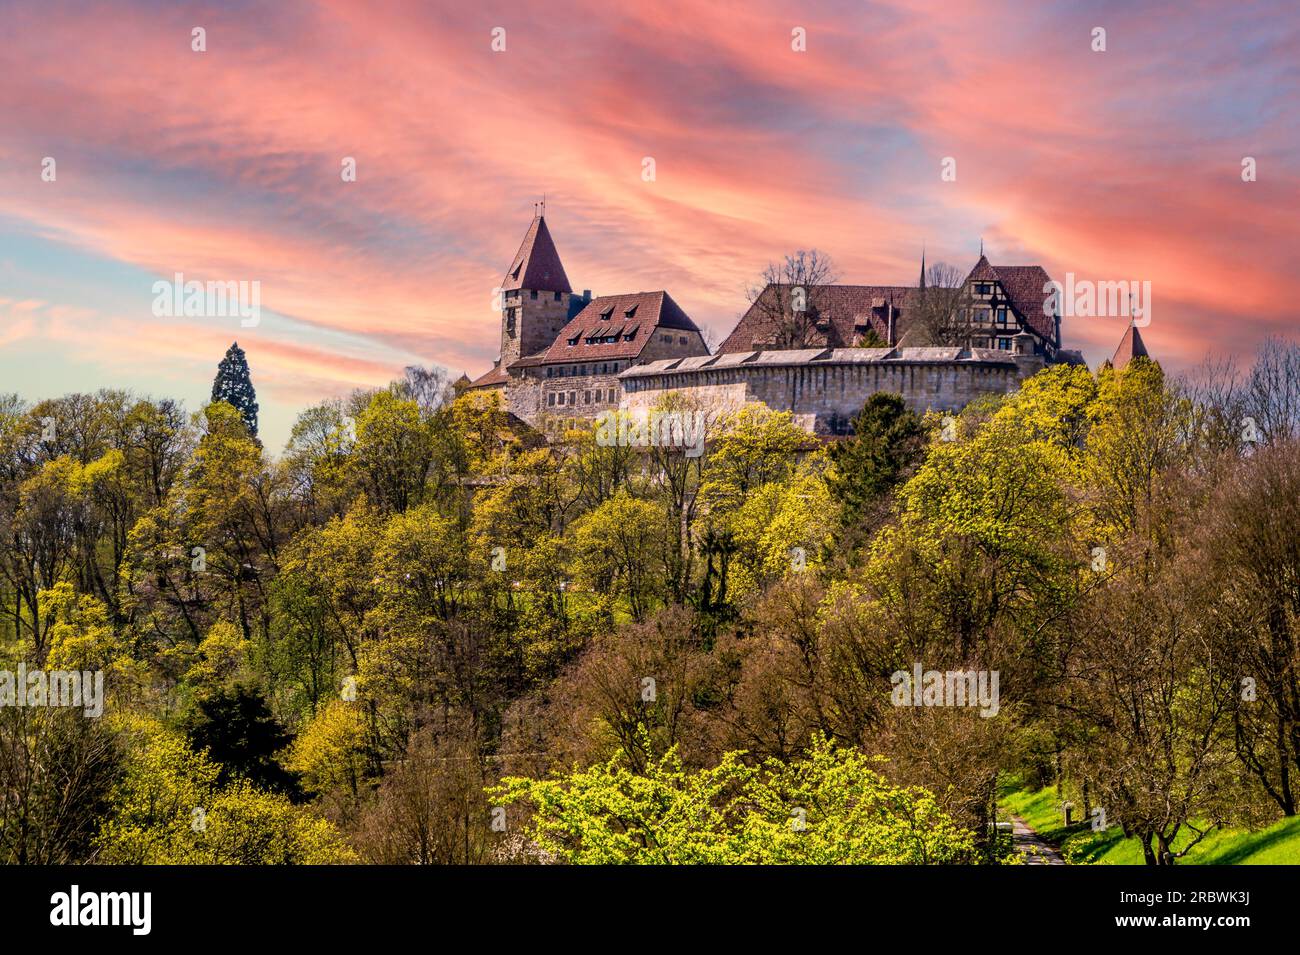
[1130,346]
[535,296]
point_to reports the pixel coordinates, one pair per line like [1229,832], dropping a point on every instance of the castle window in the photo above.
[532,294]
[681,339]
[983,288]
[550,399]
[557,296]
[561,398]
[666,338]
[573,397]
[1002,315]
[1004,344]
[586,397]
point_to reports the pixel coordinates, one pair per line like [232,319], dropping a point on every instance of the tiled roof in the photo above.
[1024,286]
[497,376]
[838,315]
[983,272]
[536,265]
[813,357]
[1130,346]
[630,320]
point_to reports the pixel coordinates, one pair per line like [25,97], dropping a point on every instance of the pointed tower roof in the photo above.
[922,285]
[1130,346]
[983,272]
[537,265]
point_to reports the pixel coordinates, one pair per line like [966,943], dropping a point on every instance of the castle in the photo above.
[818,353]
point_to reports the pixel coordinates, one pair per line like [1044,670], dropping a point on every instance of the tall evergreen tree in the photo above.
[234,386]
[887,443]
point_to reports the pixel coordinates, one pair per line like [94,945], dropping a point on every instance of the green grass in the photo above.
[1279,844]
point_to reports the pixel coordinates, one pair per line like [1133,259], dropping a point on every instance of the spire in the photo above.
[922,265]
[981,247]
[536,265]
[1130,346]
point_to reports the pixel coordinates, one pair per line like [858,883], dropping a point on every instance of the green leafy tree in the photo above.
[170,808]
[829,808]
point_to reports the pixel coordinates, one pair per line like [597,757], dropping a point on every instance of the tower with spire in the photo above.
[535,295]
[1130,346]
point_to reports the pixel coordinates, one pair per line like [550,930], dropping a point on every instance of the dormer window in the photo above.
[607,314]
[630,312]
[573,340]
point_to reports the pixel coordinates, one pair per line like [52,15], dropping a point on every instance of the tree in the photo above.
[620,548]
[170,808]
[236,729]
[788,298]
[1156,697]
[234,386]
[1252,530]
[429,808]
[430,388]
[393,452]
[939,309]
[829,808]
[887,442]
[1272,390]
[57,771]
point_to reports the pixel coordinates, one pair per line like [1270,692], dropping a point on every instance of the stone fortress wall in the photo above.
[825,388]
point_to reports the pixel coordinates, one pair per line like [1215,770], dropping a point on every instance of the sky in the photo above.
[225,165]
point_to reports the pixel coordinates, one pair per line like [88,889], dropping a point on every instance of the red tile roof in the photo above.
[983,272]
[1130,346]
[497,376]
[536,265]
[1024,286]
[839,315]
[635,316]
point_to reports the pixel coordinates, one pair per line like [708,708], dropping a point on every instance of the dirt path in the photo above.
[1031,845]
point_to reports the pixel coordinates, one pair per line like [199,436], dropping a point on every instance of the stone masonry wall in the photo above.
[824,395]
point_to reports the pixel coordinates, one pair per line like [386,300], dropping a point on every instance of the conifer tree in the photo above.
[234,386]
